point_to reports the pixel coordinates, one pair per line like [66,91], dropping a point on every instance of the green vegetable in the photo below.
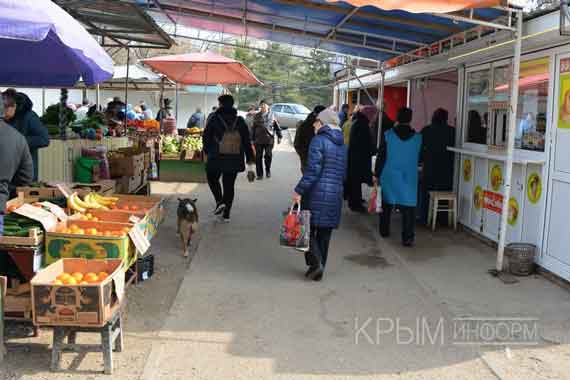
[51,116]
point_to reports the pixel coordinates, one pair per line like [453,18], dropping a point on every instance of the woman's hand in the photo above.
[296,198]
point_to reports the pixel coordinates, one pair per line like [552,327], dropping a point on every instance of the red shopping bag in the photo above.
[372,201]
[295,229]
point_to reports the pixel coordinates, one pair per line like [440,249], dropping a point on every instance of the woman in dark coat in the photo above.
[322,184]
[437,170]
[27,122]
[226,165]
[360,152]
[304,134]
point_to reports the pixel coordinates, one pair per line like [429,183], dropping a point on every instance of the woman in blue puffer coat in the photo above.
[322,186]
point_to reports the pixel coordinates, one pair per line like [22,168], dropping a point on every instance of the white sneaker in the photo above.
[224,219]
[219,209]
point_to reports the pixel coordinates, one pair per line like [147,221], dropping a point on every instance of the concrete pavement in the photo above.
[244,310]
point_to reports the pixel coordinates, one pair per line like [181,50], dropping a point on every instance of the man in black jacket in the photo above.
[16,168]
[227,145]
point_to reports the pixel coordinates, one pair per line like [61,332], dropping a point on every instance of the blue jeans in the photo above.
[1,224]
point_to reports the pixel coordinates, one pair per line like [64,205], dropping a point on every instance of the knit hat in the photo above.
[328,117]
[370,112]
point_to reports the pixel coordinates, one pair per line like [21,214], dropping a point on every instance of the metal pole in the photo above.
[161,104]
[127,83]
[380,109]
[358,97]
[97,96]
[176,88]
[43,100]
[511,141]
[205,97]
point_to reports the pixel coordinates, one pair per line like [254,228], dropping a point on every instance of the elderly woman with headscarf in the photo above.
[322,186]
[360,152]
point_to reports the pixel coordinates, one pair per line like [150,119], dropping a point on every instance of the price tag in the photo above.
[56,210]
[139,240]
[65,190]
[46,218]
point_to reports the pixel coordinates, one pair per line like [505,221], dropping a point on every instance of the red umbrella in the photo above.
[202,69]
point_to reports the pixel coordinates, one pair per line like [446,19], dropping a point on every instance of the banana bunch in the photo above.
[91,201]
[103,201]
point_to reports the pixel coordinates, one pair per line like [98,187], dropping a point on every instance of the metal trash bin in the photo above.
[521,258]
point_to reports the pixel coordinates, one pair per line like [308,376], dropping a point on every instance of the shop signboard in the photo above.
[493,201]
[564,96]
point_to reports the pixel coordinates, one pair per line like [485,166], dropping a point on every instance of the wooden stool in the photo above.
[434,198]
[111,336]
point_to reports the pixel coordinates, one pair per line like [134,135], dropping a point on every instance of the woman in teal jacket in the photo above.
[397,172]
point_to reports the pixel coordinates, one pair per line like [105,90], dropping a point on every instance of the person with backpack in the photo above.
[265,128]
[227,146]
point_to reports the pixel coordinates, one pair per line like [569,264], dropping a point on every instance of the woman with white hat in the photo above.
[322,188]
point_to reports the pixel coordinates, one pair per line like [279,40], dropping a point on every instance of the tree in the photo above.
[285,78]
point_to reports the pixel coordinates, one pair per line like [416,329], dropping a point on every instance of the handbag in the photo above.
[295,231]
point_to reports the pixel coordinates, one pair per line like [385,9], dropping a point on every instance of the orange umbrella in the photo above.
[202,69]
[424,6]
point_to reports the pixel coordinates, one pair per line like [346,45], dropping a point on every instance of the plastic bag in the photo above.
[375,202]
[372,201]
[379,199]
[296,228]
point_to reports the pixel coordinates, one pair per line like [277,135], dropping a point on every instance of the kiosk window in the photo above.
[477,106]
[532,104]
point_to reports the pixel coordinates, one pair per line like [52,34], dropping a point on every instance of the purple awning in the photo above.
[42,45]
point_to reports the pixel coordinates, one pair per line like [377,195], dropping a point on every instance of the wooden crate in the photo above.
[18,308]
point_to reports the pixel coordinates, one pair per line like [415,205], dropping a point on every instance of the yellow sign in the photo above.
[478,197]
[496,177]
[467,169]
[513,211]
[564,95]
[534,187]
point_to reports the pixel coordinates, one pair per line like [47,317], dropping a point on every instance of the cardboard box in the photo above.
[127,185]
[103,187]
[124,165]
[66,245]
[89,305]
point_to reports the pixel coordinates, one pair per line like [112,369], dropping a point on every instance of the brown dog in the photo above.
[187,223]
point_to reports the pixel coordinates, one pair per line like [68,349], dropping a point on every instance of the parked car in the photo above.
[289,114]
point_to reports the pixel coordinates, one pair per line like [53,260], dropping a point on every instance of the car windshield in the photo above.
[299,108]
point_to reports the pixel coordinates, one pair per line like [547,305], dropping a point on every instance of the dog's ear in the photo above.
[194,200]
[180,199]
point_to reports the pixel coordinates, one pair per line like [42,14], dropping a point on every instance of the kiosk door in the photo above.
[557,253]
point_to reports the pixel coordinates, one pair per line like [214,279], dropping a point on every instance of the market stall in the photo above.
[50,228]
[182,159]
[487,120]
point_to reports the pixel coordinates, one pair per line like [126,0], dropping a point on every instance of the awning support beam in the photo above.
[475,21]
[510,141]
[342,22]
